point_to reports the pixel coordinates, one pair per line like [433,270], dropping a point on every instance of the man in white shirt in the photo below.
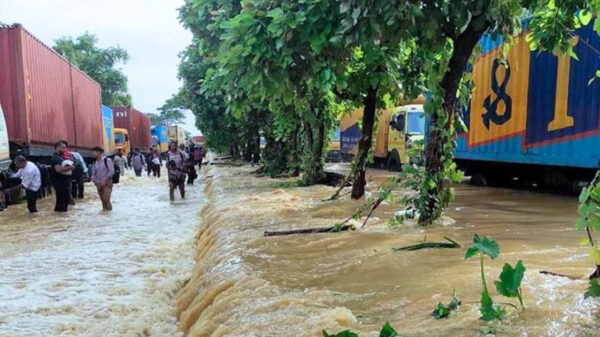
[31,181]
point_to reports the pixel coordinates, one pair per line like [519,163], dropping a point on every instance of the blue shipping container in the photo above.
[538,109]
[107,121]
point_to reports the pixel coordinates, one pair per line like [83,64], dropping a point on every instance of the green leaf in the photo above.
[585,17]
[472,251]
[486,246]
[593,290]
[388,331]
[440,311]
[488,310]
[509,284]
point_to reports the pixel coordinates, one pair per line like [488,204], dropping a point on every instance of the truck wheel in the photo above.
[394,164]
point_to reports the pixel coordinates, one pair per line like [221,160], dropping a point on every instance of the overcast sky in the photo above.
[147,29]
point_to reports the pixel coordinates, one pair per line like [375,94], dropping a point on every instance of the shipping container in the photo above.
[198,139]
[160,138]
[535,115]
[177,134]
[136,123]
[44,97]
[107,123]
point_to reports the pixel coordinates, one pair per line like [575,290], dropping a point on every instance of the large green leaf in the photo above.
[510,280]
[483,245]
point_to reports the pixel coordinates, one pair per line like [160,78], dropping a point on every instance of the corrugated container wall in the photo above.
[45,98]
[145,131]
[538,110]
[136,123]
[87,105]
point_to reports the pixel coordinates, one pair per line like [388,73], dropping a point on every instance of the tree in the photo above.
[98,63]
[170,113]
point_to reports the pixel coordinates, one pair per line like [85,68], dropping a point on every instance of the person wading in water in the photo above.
[102,176]
[61,176]
[176,167]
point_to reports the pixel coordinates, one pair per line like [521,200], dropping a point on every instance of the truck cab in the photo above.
[122,141]
[406,126]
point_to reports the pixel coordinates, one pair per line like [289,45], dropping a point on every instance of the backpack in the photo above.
[117,175]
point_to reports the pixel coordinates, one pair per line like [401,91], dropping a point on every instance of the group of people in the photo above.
[69,170]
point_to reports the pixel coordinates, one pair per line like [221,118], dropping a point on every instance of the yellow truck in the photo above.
[397,129]
[122,141]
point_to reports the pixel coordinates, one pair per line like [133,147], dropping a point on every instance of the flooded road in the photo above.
[247,285]
[90,273]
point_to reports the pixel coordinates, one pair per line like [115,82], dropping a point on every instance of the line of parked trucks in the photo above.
[44,98]
[533,119]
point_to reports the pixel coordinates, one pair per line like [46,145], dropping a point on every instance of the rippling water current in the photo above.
[202,266]
[89,273]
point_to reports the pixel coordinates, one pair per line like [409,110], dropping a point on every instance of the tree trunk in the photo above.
[364,145]
[434,153]
[314,142]
[256,155]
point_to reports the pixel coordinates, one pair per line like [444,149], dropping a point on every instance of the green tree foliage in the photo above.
[170,113]
[101,64]
[294,61]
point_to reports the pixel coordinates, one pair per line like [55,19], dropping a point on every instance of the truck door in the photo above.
[397,141]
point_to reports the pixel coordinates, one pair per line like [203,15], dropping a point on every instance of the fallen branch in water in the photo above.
[545,272]
[332,229]
[427,245]
[226,164]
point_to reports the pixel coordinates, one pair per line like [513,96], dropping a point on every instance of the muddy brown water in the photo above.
[248,285]
[132,272]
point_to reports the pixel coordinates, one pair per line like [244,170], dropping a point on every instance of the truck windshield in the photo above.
[415,123]
[119,138]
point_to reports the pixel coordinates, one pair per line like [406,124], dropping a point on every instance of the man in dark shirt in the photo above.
[61,176]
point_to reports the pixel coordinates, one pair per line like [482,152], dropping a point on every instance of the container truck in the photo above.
[533,118]
[132,128]
[109,133]
[198,140]
[177,134]
[397,129]
[160,138]
[45,98]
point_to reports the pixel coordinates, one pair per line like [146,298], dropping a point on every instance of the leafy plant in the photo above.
[588,214]
[443,311]
[509,284]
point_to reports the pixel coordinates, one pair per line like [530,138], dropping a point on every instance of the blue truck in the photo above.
[533,118]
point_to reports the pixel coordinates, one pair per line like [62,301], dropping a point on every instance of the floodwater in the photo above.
[91,273]
[244,284]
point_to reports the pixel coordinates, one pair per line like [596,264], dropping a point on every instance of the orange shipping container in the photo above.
[44,97]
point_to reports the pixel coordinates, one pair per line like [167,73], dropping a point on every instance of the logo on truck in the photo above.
[491,107]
